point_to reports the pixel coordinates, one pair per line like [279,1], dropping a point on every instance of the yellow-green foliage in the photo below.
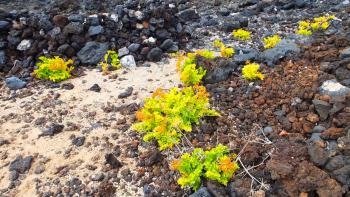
[241,34]
[318,23]
[215,164]
[226,51]
[218,43]
[251,72]
[166,114]
[110,58]
[272,41]
[54,69]
[190,73]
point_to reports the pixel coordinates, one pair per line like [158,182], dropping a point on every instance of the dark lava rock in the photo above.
[323,108]
[13,175]
[52,130]
[97,177]
[134,47]
[343,175]
[60,20]
[78,141]
[153,158]
[3,142]
[216,189]
[95,30]
[67,86]
[218,72]
[317,154]
[112,160]
[2,58]
[92,52]
[4,25]
[188,15]
[14,83]
[169,46]
[126,93]
[20,164]
[76,18]
[281,50]
[335,163]
[345,53]
[73,28]
[231,24]
[155,54]
[95,88]
[202,192]
[243,55]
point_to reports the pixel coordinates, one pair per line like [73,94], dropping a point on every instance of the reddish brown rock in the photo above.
[332,133]
[60,20]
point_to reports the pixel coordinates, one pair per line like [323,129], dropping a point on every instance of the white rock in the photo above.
[334,88]
[24,45]
[128,61]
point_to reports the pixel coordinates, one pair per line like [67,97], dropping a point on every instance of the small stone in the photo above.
[345,53]
[335,163]
[24,45]
[3,142]
[268,130]
[2,58]
[128,61]
[67,86]
[20,164]
[332,133]
[322,108]
[39,169]
[123,52]
[312,118]
[97,177]
[112,160]
[334,89]
[155,54]
[259,100]
[188,15]
[78,141]
[73,28]
[317,154]
[169,46]
[318,129]
[60,20]
[95,30]
[4,25]
[202,192]
[134,47]
[14,83]
[126,93]
[95,88]
[52,130]
[92,53]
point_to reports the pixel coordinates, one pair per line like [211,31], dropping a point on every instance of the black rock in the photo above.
[3,142]
[216,189]
[78,141]
[76,18]
[2,58]
[52,130]
[317,154]
[281,50]
[345,53]
[169,46]
[230,24]
[188,15]
[154,157]
[92,52]
[73,28]
[13,175]
[14,83]
[4,25]
[134,47]
[342,175]
[126,93]
[95,88]
[20,164]
[335,163]
[112,160]
[95,30]
[323,108]
[243,55]
[202,192]
[221,72]
[155,54]
[67,86]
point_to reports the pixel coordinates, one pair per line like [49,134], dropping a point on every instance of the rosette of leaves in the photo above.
[111,58]
[318,23]
[271,41]
[251,72]
[241,34]
[54,69]
[224,51]
[215,164]
[190,72]
[166,114]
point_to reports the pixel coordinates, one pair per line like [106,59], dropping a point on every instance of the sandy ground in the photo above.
[82,107]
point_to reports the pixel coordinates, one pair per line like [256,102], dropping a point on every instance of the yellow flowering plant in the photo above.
[166,114]
[215,164]
[271,41]
[241,34]
[54,69]
[110,58]
[251,72]
[319,23]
